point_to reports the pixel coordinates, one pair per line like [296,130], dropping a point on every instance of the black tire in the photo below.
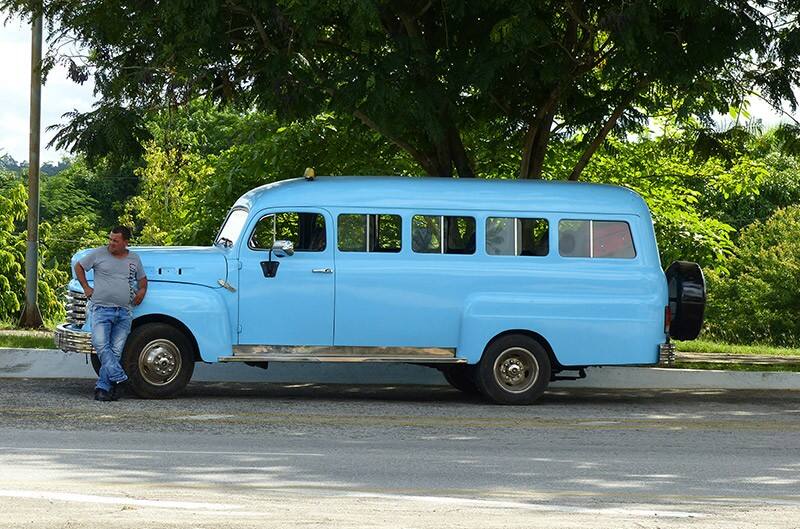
[515,369]
[461,377]
[158,360]
[95,361]
[686,288]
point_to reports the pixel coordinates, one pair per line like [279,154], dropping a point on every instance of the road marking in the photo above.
[115,500]
[471,502]
[206,417]
[139,451]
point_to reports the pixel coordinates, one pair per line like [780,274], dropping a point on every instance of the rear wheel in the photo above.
[515,369]
[158,360]
[461,377]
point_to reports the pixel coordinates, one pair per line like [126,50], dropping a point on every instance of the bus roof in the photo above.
[435,193]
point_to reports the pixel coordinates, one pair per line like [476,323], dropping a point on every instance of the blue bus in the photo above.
[503,285]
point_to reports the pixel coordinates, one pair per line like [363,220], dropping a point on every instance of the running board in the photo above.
[332,358]
[279,353]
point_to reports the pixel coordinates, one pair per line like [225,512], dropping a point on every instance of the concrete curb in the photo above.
[52,363]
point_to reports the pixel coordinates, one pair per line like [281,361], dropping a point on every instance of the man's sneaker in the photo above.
[118,390]
[102,395]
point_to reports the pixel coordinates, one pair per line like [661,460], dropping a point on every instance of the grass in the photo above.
[737,366]
[16,341]
[703,346]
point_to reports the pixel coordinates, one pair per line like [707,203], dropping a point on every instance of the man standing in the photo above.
[119,285]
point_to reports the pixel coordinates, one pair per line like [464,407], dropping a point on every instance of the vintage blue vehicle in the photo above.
[503,285]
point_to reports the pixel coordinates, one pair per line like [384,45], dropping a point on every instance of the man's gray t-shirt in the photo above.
[115,278]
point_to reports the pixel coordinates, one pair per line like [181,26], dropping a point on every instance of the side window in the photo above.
[305,230]
[514,236]
[369,233]
[595,238]
[612,239]
[442,234]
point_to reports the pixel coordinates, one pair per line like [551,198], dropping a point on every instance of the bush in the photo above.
[758,299]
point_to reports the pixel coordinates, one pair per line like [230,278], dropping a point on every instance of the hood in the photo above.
[199,265]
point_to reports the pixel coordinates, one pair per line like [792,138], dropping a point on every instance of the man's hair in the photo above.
[122,230]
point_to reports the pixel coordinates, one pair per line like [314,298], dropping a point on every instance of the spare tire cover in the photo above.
[687,299]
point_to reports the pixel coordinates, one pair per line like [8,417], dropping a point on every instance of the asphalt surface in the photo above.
[311,455]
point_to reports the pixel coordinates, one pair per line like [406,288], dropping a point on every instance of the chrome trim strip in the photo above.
[666,354]
[70,339]
[344,351]
[76,307]
[341,359]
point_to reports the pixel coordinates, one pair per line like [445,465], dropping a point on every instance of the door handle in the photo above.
[322,270]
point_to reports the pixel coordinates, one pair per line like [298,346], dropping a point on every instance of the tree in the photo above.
[758,299]
[13,211]
[201,159]
[423,73]
[683,194]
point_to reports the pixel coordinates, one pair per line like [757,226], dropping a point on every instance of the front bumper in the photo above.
[72,339]
[666,354]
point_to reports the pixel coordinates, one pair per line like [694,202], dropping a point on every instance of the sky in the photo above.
[60,95]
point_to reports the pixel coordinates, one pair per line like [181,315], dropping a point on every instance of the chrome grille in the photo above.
[76,307]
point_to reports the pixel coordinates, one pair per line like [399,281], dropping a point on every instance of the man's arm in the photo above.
[80,273]
[140,294]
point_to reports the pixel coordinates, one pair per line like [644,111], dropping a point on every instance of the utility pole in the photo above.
[31,315]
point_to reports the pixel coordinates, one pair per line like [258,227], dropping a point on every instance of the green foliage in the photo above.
[758,300]
[13,211]
[676,189]
[422,74]
[203,159]
[70,206]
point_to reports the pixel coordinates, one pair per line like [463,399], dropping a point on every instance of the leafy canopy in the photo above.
[423,73]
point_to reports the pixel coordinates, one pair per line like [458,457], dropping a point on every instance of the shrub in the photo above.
[758,299]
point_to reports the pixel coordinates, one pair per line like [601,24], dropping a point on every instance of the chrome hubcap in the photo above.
[160,362]
[516,369]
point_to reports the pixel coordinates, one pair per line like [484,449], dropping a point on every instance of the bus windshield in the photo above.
[232,228]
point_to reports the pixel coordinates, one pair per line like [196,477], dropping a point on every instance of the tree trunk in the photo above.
[532,143]
[539,148]
[459,156]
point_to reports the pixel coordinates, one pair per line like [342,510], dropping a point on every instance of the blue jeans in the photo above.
[110,329]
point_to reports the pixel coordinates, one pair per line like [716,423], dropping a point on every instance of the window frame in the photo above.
[443,233]
[518,221]
[367,231]
[274,214]
[591,255]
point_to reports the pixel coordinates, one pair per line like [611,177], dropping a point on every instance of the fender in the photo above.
[487,315]
[201,309]
[626,331]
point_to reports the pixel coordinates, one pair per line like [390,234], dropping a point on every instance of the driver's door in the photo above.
[296,306]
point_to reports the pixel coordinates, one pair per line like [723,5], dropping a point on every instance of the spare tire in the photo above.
[687,299]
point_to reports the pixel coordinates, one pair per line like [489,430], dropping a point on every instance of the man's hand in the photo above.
[137,299]
[88,291]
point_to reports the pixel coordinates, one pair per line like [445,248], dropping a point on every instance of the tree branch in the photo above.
[605,129]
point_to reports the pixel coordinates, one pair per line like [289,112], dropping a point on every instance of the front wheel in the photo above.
[515,369]
[158,360]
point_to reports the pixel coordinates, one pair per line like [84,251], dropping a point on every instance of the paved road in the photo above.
[256,455]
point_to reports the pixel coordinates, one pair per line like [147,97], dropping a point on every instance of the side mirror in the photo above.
[279,249]
[283,249]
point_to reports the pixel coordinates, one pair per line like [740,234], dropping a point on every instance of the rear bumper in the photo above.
[666,354]
[72,339]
